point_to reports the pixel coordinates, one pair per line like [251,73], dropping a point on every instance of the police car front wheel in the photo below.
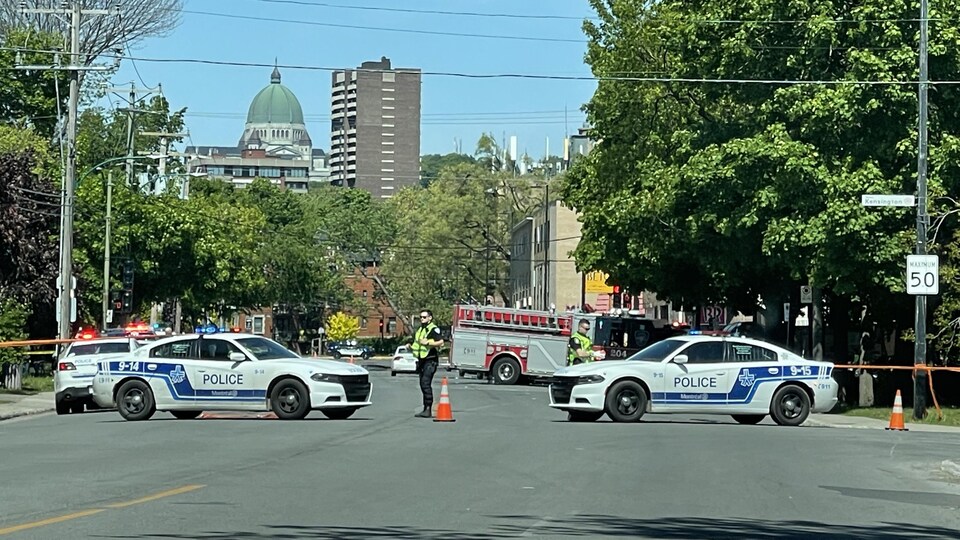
[290,400]
[790,406]
[626,402]
[135,401]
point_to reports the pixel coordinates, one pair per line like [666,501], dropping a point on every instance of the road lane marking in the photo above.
[155,496]
[50,521]
[542,523]
[84,513]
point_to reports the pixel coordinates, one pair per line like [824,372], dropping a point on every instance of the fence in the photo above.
[40,361]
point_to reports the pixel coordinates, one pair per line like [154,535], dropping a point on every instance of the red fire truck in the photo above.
[506,344]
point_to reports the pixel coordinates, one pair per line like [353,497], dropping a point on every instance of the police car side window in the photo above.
[704,353]
[177,349]
[216,349]
[742,352]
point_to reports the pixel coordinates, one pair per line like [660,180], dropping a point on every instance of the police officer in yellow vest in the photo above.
[426,342]
[580,349]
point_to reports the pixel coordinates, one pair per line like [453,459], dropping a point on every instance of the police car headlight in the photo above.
[589,379]
[324,377]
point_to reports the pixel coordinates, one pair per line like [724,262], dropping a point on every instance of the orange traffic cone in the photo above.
[896,417]
[444,412]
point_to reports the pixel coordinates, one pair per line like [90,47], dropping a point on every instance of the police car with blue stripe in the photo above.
[745,378]
[189,374]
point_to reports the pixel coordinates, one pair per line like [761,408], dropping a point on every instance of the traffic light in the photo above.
[128,275]
[127,302]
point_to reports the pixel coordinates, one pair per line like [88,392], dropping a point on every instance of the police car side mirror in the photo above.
[680,359]
[238,357]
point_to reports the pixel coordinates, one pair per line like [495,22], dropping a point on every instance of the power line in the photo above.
[428,11]
[380,28]
[533,76]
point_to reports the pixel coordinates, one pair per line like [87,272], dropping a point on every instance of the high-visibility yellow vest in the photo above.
[585,344]
[421,351]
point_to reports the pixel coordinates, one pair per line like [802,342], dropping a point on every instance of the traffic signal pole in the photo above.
[920,320]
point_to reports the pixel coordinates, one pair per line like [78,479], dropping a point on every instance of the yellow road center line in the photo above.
[50,521]
[155,496]
[92,511]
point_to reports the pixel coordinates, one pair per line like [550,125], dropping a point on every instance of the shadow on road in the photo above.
[582,526]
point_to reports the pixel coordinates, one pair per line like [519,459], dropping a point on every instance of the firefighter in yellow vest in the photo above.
[426,342]
[580,348]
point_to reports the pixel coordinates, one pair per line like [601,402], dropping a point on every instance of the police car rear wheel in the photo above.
[584,416]
[749,418]
[290,400]
[185,415]
[338,414]
[791,406]
[626,402]
[135,401]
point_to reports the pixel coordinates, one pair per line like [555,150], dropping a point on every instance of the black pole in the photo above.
[920,323]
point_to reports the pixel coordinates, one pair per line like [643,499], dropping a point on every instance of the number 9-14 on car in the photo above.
[745,378]
[189,374]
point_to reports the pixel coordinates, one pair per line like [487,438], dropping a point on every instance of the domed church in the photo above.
[275,123]
[275,145]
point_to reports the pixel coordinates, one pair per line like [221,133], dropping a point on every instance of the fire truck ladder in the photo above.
[514,319]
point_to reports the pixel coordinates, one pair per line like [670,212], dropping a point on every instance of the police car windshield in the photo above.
[264,349]
[658,351]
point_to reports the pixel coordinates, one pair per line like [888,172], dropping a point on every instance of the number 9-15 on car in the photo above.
[186,375]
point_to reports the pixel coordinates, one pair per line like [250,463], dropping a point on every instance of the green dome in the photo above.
[275,104]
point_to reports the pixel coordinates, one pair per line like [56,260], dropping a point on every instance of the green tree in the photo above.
[728,192]
[432,164]
[31,98]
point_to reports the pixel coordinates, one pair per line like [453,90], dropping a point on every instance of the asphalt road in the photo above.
[509,467]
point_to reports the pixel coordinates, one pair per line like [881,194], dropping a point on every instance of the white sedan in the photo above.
[187,375]
[745,378]
[403,361]
[77,366]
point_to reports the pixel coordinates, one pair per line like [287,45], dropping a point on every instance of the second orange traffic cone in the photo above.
[444,412]
[896,417]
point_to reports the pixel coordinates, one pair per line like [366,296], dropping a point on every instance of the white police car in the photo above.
[745,378]
[77,365]
[189,374]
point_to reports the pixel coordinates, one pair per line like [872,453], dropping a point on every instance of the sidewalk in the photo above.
[862,422]
[14,405]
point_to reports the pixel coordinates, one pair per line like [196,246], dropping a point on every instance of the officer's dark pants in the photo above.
[428,368]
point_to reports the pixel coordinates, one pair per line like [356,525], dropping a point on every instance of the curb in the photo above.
[950,467]
[24,412]
[817,423]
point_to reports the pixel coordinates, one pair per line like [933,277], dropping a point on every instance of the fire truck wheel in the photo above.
[626,402]
[506,371]
[584,416]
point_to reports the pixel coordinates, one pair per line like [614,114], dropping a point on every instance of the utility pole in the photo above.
[106,255]
[920,321]
[546,246]
[131,109]
[164,151]
[66,311]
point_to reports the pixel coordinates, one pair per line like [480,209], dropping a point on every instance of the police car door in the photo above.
[170,365]
[754,374]
[223,383]
[699,384]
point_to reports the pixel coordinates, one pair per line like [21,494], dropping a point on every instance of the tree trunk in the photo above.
[816,322]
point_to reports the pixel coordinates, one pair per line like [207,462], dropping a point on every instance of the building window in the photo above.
[386,116]
[387,134]
[386,152]
[258,325]
[388,107]
[387,143]
[386,170]
[392,325]
[386,161]
[387,178]
[388,98]
[364,293]
[363,321]
[389,125]
[389,77]
[388,89]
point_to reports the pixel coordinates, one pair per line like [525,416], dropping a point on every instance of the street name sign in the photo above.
[887,200]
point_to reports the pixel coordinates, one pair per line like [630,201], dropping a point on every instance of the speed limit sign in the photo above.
[923,274]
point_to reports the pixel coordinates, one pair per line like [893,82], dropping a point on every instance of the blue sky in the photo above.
[217,97]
